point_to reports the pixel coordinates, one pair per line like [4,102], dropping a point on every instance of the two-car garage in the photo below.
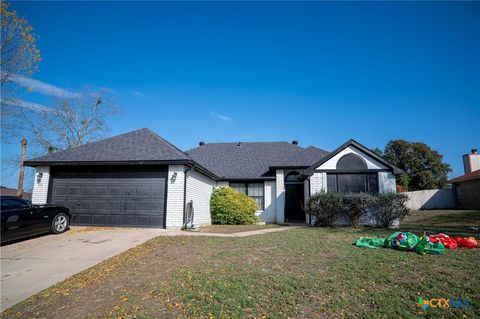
[113,197]
[136,179]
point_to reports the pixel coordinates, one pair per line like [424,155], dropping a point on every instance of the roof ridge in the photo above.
[206,143]
[89,143]
[164,140]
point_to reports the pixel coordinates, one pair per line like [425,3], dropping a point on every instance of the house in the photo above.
[467,187]
[5,191]
[139,179]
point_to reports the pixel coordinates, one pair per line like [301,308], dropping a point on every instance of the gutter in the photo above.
[185,195]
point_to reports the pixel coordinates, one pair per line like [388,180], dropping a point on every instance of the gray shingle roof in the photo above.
[253,160]
[136,146]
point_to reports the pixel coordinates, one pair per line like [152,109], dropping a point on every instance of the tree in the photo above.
[424,167]
[70,122]
[19,53]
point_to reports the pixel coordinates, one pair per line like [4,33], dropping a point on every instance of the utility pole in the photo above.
[22,168]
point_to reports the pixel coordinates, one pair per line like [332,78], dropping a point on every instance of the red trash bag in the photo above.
[469,242]
[447,241]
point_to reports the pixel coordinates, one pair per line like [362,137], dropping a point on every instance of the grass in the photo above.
[453,222]
[297,273]
[230,229]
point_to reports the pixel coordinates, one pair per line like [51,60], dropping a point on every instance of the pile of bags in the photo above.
[454,242]
[406,241]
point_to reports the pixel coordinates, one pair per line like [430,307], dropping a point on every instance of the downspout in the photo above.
[309,195]
[185,195]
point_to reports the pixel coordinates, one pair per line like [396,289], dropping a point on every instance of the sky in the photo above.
[317,72]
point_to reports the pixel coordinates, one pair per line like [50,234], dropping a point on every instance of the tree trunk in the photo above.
[22,168]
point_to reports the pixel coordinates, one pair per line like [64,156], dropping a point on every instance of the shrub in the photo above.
[356,206]
[229,207]
[390,207]
[325,208]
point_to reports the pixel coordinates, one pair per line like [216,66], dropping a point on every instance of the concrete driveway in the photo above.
[33,265]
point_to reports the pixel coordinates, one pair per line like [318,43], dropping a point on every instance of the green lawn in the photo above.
[297,273]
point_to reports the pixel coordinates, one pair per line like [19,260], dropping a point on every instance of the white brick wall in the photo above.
[386,182]
[40,190]
[280,196]
[318,183]
[175,196]
[199,190]
[269,214]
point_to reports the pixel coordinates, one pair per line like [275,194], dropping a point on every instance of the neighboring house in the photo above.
[5,191]
[467,187]
[139,179]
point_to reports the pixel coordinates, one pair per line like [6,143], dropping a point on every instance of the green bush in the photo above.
[355,206]
[325,208]
[229,207]
[390,207]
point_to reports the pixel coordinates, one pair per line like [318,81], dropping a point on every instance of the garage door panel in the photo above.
[144,192]
[113,220]
[100,206]
[114,206]
[115,190]
[141,220]
[74,190]
[128,220]
[129,191]
[86,205]
[157,206]
[143,206]
[123,200]
[156,221]
[82,219]
[60,190]
[101,190]
[99,220]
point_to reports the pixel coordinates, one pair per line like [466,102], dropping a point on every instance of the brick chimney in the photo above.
[471,162]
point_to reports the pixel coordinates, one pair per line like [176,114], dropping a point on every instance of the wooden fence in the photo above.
[431,199]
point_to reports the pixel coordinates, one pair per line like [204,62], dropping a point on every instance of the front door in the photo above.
[294,198]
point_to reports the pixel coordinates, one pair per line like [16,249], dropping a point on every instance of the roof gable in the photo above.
[374,161]
[138,146]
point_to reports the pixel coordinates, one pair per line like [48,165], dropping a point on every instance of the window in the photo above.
[292,177]
[12,203]
[351,162]
[253,190]
[352,183]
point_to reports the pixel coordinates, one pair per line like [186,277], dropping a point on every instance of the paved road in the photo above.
[31,266]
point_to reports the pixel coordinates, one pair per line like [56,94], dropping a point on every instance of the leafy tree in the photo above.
[18,49]
[424,167]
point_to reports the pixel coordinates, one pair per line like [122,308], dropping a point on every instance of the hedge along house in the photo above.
[138,179]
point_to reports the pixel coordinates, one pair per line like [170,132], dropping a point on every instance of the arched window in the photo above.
[292,177]
[351,162]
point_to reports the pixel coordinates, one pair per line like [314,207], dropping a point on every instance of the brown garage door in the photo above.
[100,198]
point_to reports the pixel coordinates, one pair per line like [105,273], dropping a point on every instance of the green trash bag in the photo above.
[425,246]
[402,241]
[370,242]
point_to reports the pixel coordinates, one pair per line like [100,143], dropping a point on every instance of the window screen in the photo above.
[253,190]
[239,187]
[352,183]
